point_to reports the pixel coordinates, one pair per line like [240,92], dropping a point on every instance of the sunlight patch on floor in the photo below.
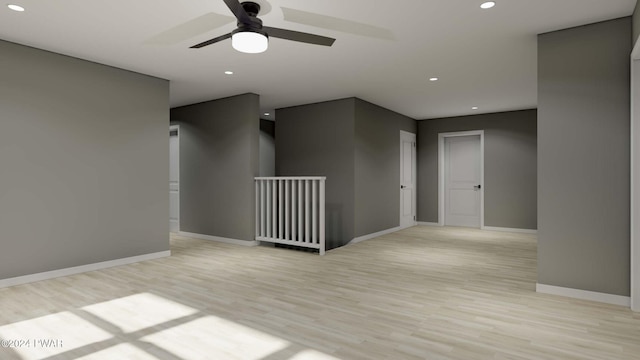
[216,338]
[139,311]
[66,331]
[147,327]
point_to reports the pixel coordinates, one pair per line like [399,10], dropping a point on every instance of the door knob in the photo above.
[402,186]
[478,187]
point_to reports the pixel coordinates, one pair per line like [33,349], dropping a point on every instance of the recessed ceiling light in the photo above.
[15,7]
[474,108]
[433,79]
[228,72]
[488,4]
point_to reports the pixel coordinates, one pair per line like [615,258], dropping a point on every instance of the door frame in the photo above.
[441,172]
[177,128]
[414,179]
[634,251]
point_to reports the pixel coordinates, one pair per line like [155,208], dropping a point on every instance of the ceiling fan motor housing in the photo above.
[251,8]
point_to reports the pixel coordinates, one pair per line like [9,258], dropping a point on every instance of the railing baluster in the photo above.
[268,206]
[274,207]
[300,211]
[306,212]
[294,210]
[286,209]
[314,212]
[280,207]
[262,212]
[322,215]
[257,209]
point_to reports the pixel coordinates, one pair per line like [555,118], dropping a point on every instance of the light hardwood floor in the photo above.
[422,293]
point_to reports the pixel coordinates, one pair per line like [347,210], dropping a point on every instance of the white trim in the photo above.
[488,228]
[262,239]
[424,223]
[19,280]
[219,239]
[290,178]
[584,295]
[441,175]
[177,128]
[634,251]
[375,235]
[514,230]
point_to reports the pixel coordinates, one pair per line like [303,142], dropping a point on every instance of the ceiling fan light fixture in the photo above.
[250,42]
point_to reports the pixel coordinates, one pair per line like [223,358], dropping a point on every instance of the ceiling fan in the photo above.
[252,37]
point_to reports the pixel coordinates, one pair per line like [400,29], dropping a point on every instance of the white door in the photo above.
[463,182]
[407,179]
[174,179]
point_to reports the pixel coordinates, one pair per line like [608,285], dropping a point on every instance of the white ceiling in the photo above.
[484,58]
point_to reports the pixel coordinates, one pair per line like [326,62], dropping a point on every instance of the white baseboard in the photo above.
[19,280]
[219,239]
[424,223]
[489,228]
[374,235]
[514,230]
[584,295]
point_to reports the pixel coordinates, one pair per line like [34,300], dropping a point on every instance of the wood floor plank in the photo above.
[421,293]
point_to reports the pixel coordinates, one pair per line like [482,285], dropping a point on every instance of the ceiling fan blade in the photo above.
[337,24]
[237,10]
[189,29]
[212,41]
[298,36]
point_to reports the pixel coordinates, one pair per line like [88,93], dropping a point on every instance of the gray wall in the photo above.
[583,157]
[219,157]
[84,156]
[356,145]
[318,140]
[510,166]
[267,148]
[377,166]
[636,24]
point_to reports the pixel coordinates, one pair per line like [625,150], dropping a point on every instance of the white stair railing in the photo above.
[291,210]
